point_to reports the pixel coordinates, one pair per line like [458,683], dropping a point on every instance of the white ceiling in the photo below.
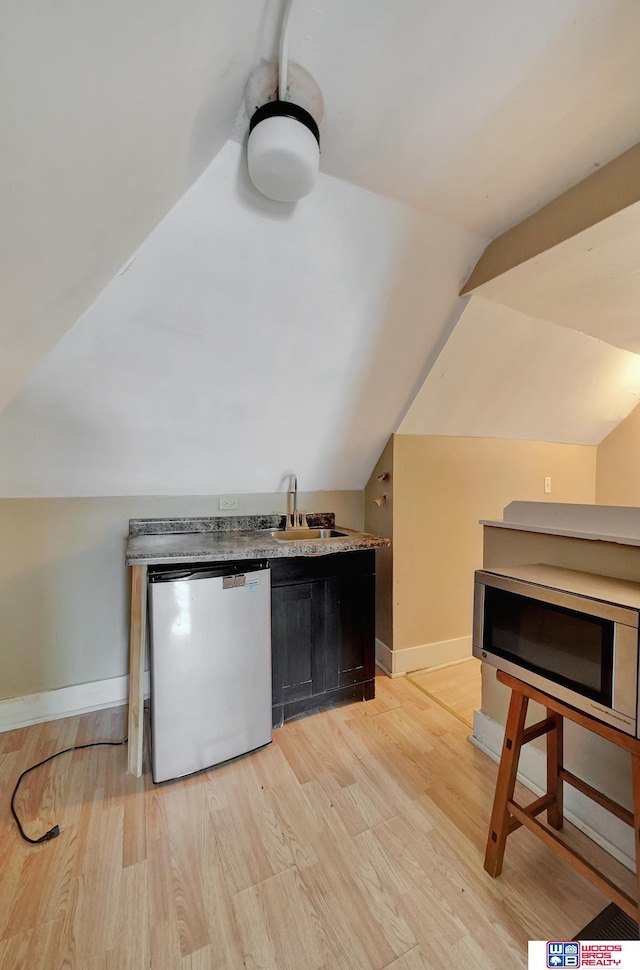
[478,112]
[108,112]
[474,113]
[590,282]
[503,374]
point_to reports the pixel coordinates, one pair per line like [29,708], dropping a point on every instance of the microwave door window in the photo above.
[570,648]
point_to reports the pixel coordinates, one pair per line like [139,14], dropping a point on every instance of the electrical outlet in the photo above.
[228,502]
[547,484]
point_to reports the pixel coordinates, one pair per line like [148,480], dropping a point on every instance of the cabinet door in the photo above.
[351,642]
[298,640]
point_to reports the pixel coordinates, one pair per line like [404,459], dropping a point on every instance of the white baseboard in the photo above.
[605,829]
[51,705]
[397,663]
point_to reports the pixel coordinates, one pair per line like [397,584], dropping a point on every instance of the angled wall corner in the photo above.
[378,519]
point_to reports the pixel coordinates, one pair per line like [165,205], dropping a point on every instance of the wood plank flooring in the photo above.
[458,687]
[354,841]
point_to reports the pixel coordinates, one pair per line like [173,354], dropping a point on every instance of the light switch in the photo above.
[547,484]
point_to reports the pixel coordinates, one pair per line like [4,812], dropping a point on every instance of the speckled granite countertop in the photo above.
[225,538]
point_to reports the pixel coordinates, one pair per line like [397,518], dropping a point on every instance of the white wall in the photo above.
[244,340]
[64,593]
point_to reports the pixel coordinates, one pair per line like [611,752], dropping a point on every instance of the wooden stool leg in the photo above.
[499,827]
[635,769]
[555,755]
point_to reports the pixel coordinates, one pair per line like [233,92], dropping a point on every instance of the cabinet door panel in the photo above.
[351,648]
[298,641]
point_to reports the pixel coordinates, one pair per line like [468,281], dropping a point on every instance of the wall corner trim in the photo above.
[384,659]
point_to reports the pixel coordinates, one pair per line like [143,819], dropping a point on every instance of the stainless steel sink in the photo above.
[298,535]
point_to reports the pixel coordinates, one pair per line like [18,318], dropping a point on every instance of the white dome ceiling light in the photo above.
[283,149]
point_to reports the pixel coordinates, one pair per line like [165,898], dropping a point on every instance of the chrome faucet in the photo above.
[295,520]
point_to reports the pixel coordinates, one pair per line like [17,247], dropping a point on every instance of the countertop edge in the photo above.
[262,547]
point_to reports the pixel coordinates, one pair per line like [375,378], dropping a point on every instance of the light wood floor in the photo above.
[355,840]
[458,687]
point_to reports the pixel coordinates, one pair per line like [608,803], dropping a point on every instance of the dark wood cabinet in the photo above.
[322,632]
[297,621]
[351,649]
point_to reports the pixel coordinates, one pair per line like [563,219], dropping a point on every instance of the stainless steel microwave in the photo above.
[571,634]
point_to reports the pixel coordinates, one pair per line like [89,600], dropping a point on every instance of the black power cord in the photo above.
[57,829]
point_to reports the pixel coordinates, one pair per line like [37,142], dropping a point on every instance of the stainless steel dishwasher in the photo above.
[210,660]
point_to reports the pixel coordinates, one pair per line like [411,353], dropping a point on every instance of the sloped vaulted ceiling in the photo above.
[108,111]
[503,374]
[244,339]
[325,317]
